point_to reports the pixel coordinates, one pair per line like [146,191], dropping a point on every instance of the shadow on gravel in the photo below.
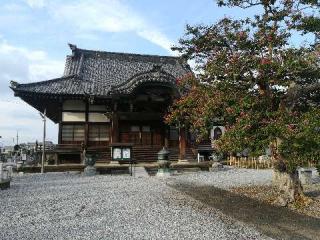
[275,222]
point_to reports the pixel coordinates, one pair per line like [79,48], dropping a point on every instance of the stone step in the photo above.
[140,172]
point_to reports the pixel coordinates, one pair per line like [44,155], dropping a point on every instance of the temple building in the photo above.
[105,98]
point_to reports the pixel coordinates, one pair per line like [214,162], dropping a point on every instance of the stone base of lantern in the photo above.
[164,173]
[89,171]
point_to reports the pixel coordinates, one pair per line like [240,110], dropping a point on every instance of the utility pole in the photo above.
[43,115]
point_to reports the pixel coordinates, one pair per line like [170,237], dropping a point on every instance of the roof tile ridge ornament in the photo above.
[73,48]
[14,84]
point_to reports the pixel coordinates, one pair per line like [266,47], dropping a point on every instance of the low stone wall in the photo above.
[52,168]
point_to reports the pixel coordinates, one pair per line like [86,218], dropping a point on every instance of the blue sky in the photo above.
[34,36]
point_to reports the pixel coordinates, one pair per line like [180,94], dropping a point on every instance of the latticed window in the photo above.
[99,132]
[73,133]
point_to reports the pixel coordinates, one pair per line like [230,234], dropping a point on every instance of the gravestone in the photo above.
[5,177]
[90,161]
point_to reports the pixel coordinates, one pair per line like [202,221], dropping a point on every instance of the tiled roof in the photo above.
[65,85]
[100,73]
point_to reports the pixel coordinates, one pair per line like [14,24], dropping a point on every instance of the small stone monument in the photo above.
[216,165]
[305,176]
[90,169]
[163,163]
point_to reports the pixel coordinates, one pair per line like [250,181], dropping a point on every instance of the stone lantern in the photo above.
[163,163]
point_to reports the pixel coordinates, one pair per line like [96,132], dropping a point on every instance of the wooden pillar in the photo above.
[60,122]
[60,110]
[60,133]
[182,144]
[115,125]
[115,128]
[166,137]
[56,162]
[86,126]
[131,106]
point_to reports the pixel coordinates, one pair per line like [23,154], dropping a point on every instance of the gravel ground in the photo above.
[68,206]
[228,178]
[309,206]
[214,190]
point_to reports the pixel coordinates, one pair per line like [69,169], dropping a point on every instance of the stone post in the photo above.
[1,170]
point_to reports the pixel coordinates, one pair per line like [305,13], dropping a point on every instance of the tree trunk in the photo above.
[290,186]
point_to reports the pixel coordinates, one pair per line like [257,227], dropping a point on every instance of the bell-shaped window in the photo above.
[217,133]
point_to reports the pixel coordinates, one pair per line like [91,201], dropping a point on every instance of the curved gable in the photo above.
[156,75]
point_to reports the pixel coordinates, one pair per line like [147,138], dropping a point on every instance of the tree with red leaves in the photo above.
[266,90]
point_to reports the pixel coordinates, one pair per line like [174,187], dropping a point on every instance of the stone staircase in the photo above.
[174,154]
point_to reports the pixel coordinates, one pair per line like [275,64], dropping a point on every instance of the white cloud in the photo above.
[108,16]
[19,116]
[23,65]
[35,3]
[157,38]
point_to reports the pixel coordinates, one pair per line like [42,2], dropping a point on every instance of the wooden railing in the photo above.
[251,162]
[263,162]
